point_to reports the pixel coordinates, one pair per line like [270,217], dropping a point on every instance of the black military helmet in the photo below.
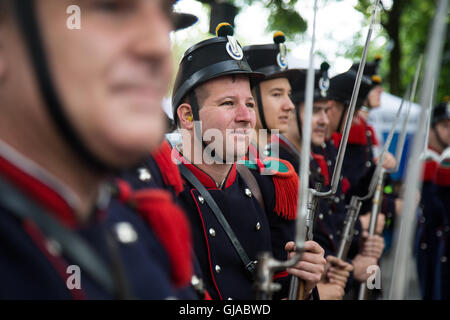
[371,71]
[321,86]
[341,88]
[271,60]
[440,112]
[209,59]
[183,20]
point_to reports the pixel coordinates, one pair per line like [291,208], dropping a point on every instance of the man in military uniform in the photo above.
[228,206]
[326,222]
[373,99]
[372,78]
[358,154]
[78,105]
[442,181]
[433,221]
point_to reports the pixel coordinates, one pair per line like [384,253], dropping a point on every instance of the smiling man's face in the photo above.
[111,74]
[228,108]
[319,123]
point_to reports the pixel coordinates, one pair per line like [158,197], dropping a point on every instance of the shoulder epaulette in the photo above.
[357,134]
[442,177]
[429,170]
[285,181]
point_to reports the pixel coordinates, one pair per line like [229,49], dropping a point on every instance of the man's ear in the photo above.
[185,116]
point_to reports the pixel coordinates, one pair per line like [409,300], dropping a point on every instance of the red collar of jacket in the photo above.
[43,193]
[204,178]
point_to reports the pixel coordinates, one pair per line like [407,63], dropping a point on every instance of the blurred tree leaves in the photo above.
[405,24]
[401,40]
[283,15]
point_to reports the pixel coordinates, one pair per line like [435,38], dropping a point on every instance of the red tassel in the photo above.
[323,167]
[286,192]
[171,227]
[373,136]
[336,138]
[358,134]
[345,185]
[442,177]
[169,170]
[429,170]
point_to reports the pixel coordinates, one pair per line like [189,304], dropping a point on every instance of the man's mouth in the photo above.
[320,131]
[283,119]
[240,132]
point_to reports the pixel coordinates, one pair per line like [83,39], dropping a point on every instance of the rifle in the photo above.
[377,199]
[405,229]
[356,201]
[267,264]
[308,197]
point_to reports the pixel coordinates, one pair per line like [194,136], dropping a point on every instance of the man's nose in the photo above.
[154,26]
[324,118]
[288,105]
[243,113]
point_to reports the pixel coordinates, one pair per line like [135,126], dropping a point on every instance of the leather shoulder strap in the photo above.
[251,182]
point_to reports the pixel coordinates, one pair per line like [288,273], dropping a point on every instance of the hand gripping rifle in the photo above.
[356,201]
[378,197]
[405,229]
[266,264]
[378,192]
[308,197]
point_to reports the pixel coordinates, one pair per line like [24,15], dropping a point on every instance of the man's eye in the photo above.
[112,5]
[227,103]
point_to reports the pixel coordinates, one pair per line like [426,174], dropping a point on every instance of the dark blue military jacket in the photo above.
[33,265]
[337,203]
[257,230]
[359,166]
[431,248]
[159,172]
[324,229]
[442,181]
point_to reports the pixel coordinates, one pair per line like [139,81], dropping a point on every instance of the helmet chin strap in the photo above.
[197,128]
[27,20]
[341,120]
[298,120]
[261,108]
[439,139]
